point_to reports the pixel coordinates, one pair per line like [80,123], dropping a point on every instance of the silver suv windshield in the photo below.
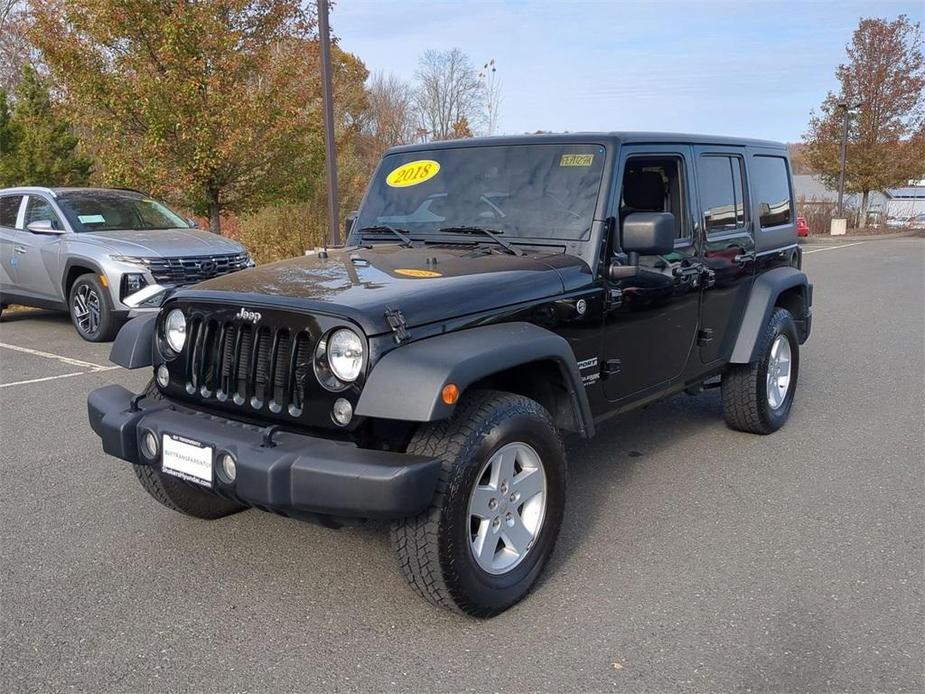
[116,211]
[528,191]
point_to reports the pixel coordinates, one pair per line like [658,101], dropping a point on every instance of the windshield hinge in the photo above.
[397,323]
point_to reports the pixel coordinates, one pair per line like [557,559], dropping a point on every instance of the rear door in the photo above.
[728,247]
[9,217]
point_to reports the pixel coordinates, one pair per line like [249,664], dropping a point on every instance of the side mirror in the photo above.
[193,224]
[648,233]
[43,226]
[348,223]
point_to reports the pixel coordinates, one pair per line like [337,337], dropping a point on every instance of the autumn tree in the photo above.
[390,118]
[216,103]
[448,92]
[37,146]
[885,76]
[15,49]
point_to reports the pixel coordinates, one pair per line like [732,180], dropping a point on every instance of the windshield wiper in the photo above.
[492,234]
[385,227]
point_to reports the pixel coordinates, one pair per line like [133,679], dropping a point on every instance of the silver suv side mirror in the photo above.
[43,226]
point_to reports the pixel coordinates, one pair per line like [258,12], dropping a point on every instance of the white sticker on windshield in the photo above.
[91,218]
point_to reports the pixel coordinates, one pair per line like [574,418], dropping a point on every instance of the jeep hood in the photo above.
[161,242]
[428,284]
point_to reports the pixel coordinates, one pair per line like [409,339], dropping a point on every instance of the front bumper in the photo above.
[298,475]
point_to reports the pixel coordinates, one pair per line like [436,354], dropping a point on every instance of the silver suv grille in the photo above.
[191,269]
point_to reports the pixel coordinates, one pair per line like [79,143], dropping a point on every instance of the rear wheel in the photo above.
[757,397]
[495,516]
[177,495]
[91,309]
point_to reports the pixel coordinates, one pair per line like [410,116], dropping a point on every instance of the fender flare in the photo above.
[133,347]
[71,262]
[406,383]
[765,291]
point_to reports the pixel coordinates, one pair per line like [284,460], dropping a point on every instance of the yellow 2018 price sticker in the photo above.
[576,160]
[409,272]
[412,173]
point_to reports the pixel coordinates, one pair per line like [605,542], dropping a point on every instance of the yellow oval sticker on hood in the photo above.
[417,273]
[412,173]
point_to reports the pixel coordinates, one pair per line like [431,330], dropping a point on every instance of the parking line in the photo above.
[57,357]
[832,248]
[52,378]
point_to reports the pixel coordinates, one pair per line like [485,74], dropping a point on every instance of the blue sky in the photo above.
[748,68]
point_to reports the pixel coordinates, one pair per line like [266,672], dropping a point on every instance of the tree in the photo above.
[215,103]
[390,117]
[15,50]
[38,147]
[449,90]
[489,77]
[885,74]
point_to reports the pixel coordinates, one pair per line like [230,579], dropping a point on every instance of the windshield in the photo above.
[111,211]
[533,191]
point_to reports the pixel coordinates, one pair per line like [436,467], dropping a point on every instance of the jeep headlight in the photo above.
[175,330]
[339,359]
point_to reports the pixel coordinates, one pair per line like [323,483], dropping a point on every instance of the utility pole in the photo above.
[846,109]
[330,152]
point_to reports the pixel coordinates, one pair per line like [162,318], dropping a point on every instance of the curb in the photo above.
[850,238]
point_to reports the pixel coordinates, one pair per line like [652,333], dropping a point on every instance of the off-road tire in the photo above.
[177,495]
[744,386]
[109,323]
[433,548]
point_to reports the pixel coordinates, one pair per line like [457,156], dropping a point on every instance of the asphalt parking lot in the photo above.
[692,557]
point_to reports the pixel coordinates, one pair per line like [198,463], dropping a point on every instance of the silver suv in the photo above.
[101,254]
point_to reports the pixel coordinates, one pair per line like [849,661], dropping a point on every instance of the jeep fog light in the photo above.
[175,330]
[149,445]
[163,376]
[229,469]
[342,412]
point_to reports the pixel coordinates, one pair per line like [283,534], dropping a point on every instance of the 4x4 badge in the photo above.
[252,316]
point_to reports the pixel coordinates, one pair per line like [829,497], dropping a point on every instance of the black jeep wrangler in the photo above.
[492,294]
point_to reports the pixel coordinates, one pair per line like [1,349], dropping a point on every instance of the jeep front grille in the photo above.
[254,367]
[192,269]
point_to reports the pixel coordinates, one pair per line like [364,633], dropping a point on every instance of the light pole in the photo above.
[846,109]
[330,152]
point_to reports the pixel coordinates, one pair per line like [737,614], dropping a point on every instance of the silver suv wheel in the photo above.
[86,308]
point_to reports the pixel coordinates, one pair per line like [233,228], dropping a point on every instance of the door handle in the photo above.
[19,249]
[744,258]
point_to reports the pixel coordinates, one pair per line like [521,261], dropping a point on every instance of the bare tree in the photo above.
[489,77]
[885,75]
[15,48]
[390,117]
[449,91]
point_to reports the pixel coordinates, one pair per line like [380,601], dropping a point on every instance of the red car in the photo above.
[802,227]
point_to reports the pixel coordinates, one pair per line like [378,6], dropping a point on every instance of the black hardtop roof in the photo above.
[593,137]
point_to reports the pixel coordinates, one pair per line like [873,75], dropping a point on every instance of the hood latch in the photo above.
[397,323]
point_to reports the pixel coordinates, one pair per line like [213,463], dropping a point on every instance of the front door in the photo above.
[37,254]
[651,322]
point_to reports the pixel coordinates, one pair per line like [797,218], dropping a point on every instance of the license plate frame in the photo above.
[187,459]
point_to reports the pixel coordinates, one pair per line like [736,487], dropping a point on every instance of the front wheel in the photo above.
[91,310]
[497,510]
[757,397]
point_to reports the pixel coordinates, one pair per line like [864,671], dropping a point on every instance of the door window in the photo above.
[721,193]
[772,190]
[9,210]
[655,184]
[40,209]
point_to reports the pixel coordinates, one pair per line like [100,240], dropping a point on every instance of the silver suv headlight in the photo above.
[175,330]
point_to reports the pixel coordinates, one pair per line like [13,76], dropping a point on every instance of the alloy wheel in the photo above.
[86,309]
[507,507]
[779,369]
